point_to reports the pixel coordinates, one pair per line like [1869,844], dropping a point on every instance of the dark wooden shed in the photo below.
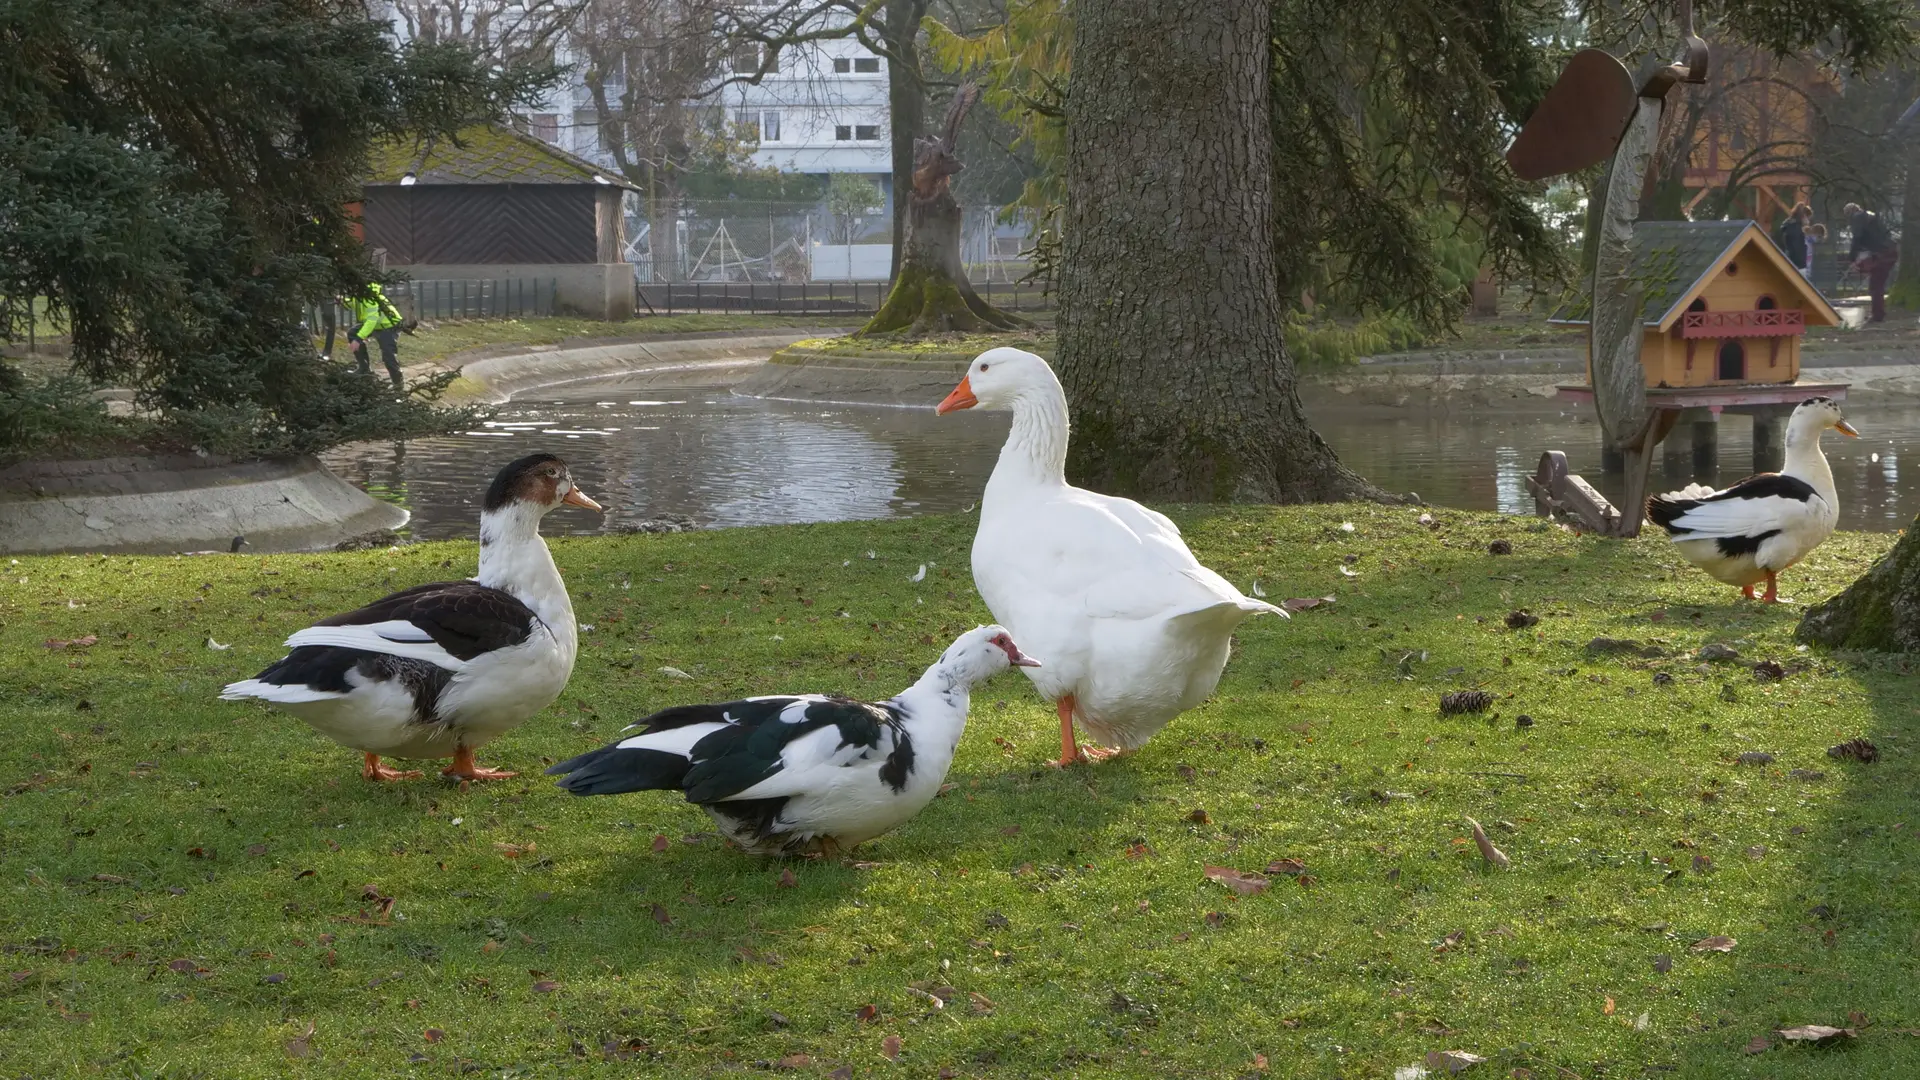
[493,196]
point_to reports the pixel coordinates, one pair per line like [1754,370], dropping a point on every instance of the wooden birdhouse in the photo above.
[1722,306]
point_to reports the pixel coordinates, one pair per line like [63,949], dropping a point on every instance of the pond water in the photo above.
[648,450]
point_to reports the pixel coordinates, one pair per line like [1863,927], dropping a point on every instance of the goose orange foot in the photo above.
[463,768]
[1773,590]
[373,770]
[1069,750]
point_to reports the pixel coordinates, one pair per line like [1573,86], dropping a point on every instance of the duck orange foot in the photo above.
[464,769]
[373,770]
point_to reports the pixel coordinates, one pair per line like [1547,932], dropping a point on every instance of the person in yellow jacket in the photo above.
[375,317]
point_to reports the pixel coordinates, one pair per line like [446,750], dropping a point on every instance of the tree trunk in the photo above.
[1171,345]
[907,110]
[1881,611]
[930,290]
[1906,284]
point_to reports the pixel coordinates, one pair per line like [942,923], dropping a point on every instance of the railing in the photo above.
[807,297]
[449,299]
[1770,322]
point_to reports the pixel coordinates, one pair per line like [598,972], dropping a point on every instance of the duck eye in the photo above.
[983,367]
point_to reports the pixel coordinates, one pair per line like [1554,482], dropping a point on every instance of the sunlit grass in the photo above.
[160,918]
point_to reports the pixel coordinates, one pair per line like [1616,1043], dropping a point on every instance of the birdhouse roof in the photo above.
[485,154]
[1675,260]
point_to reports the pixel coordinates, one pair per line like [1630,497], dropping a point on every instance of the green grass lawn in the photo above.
[193,886]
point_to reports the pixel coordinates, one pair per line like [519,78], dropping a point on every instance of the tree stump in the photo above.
[931,292]
[1880,612]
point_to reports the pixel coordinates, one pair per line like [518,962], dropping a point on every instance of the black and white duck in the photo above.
[1750,532]
[439,670]
[795,774]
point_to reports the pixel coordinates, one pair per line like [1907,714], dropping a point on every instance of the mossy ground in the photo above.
[445,339]
[187,881]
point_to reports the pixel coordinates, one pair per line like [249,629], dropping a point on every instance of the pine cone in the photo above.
[1861,750]
[1465,701]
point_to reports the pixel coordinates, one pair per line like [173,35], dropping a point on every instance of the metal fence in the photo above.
[860,298]
[449,299]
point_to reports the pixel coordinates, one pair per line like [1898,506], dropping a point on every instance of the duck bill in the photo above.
[576,497]
[1019,659]
[1847,429]
[961,398]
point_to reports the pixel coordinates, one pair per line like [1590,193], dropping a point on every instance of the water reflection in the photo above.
[647,450]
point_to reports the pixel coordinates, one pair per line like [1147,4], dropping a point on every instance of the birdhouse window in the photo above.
[1732,362]
[1699,304]
[1733,269]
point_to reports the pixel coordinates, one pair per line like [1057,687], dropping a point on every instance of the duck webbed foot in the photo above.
[464,768]
[373,770]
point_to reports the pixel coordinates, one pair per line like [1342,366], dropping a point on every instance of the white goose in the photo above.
[439,670]
[1134,630]
[787,775]
[1753,530]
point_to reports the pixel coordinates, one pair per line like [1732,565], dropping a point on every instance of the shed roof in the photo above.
[1674,260]
[485,154]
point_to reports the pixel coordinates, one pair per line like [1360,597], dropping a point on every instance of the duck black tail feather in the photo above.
[614,770]
[1664,510]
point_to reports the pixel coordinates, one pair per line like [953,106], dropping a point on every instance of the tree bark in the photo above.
[907,110]
[1880,612]
[930,289]
[1171,344]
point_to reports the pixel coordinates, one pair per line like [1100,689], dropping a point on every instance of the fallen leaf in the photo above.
[1716,943]
[545,986]
[1757,851]
[78,643]
[514,851]
[890,1048]
[661,916]
[1010,830]
[491,947]
[111,879]
[844,1072]
[1452,1061]
[866,1014]
[1199,817]
[433,1035]
[979,1004]
[302,1046]
[787,880]
[1759,1044]
[1451,941]
[1305,603]
[1815,1033]
[1487,851]
[1861,750]
[1246,883]
[1702,863]
[1287,866]
[1607,1009]
[660,842]
[1663,963]
[1215,920]
[793,1061]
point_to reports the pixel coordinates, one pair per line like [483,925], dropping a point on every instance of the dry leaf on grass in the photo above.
[1287,866]
[786,880]
[1199,817]
[1818,1034]
[1244,882]
[660,843]
[661,916]
[866,1014]
[1452,1061]
[433,1035]
[1487,851]
[793,1061]
[1759,1044]
[514,851]
[1716,943]
[78,643]
[301,1046]
[545,986]
[890,1048]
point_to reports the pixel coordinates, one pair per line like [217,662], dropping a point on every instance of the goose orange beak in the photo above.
[576,497]
[1847,429]
[961,398]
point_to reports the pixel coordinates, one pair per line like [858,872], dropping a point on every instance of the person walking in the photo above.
[375,317]
[1816,235]
[1793,235]
[1873,254]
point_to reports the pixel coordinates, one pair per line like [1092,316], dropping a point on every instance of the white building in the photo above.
[823,111]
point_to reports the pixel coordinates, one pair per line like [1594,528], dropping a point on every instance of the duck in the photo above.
[1135,630]
[804,774]
[1750,532]
[439,670]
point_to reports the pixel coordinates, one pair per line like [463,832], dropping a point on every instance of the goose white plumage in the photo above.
[438,670]
[1750,532]
[791,774]
[1134,630]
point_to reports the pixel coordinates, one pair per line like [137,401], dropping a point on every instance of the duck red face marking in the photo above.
[1014,655]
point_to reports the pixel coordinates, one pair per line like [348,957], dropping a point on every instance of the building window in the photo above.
[867,65]
[865,132]
[842,132]
[746,60]
[769,127]
[842,65]
[586,133]
[546,127]
[1733,361]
